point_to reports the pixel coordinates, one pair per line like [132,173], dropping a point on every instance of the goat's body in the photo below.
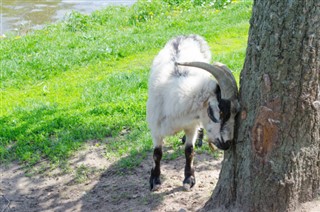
[177,94]
[178,99]
[183,97]
[174,109]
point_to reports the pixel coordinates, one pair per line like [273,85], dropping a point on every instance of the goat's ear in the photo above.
[218,93]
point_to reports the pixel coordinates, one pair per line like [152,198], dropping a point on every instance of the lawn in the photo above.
[86,78]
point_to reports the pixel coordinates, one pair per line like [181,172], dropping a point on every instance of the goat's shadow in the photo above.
[120,189]
[116,189]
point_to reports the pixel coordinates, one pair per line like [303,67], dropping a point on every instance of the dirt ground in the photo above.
[92,183]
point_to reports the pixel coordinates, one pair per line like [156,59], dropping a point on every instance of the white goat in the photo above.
[184,97]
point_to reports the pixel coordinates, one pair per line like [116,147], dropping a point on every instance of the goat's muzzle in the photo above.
[221,144]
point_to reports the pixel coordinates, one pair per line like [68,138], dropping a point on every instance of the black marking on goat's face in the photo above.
[228,111]
[224,107]
[211,115]
[221,114]
[225,111]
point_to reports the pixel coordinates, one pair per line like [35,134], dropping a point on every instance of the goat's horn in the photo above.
[223,75]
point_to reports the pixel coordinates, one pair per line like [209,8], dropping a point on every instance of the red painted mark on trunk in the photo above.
[266,128]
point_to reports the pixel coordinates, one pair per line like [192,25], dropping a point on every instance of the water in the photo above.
[22,15]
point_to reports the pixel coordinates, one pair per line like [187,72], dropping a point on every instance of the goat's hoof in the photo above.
[189,182]
[156,187]
[186,187]
[155,183]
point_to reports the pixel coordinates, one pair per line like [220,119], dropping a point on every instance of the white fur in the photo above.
[178,103]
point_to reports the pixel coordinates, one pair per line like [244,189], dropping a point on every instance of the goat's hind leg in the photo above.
[189,180]
[199,140]
[155,181]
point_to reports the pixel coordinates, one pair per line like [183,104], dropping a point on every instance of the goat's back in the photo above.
[180,49]
[177,90]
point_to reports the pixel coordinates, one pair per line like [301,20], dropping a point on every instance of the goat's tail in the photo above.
[189,48]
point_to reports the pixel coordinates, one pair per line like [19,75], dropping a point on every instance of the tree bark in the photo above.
[274,163]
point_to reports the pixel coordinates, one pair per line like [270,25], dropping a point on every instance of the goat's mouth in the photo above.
[220,144]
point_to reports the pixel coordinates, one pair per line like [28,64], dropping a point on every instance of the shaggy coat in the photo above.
[178,95]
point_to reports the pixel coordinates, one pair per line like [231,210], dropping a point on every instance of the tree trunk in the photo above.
[274,163]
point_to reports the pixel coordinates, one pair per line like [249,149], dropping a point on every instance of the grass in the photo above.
[86,77]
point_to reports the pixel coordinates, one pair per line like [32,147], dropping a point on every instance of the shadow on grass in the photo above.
[48,131]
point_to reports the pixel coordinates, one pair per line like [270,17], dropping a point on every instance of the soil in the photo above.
[90,182]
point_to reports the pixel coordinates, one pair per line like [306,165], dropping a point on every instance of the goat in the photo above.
[182,96]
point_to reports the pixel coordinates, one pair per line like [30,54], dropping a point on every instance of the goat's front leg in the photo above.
[189,180]
[154,181]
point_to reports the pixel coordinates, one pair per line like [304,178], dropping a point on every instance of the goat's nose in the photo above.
[224,145]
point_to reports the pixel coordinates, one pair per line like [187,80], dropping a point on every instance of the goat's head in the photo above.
[223,107]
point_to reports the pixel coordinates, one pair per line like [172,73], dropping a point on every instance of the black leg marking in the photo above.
[200,138]
[189,180]
[155,172]
[183,139]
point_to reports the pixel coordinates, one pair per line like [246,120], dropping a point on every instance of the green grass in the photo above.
[86,78]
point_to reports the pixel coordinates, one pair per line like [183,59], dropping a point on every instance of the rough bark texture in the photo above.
[274,163]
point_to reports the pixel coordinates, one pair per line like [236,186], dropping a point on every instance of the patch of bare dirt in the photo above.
[90,182]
